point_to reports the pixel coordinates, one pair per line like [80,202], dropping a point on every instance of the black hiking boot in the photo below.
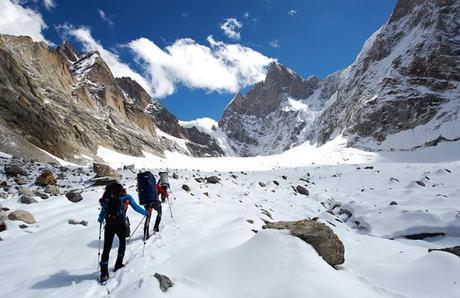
[156,229]
[104,273]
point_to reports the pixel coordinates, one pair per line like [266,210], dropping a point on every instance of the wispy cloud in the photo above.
[105,17]
[246,15]
[292,12]
[185,14]
[49,4]
[218,67]
[118,68]
[274,43]
[231,27]
[18,20]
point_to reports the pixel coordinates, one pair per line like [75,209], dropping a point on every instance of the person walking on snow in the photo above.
[115,202]
[161,192]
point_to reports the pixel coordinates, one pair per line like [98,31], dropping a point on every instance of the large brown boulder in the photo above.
[22,215]
[321,237]
[103,170]
[46,178]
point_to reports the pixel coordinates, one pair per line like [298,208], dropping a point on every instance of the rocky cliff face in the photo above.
[402,92]
[403,89]
[278,113]
[68,104]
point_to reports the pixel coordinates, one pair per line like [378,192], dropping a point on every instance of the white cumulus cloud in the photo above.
[18,20]
[218,67]
[231,27]
[118,68]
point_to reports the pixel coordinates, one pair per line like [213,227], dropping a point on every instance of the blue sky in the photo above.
[313,37]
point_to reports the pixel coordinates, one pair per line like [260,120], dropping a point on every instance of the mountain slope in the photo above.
[406,77]
[69,104]
[278,113]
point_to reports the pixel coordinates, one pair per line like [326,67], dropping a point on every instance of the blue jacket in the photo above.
[131,202]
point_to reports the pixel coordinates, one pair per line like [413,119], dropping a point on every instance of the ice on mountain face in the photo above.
[83,66]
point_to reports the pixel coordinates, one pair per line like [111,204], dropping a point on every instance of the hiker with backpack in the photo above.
[149,192]
[115,202]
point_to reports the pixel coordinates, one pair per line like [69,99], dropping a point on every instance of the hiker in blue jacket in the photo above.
[115,202]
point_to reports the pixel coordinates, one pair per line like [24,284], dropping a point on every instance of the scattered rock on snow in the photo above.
[453,250]
[78,222]
[25,191]
[284,177]
[262,184]
[318,235]
[20,181]
[276,183]
[52,190]
[392,203]
[212,179]
[251,221]
[421,236]
[103,170]
[200,180]
[45,178]
[15,170]
[302,190]
[394,180]
[74,195]
[420,183]
[165,282]
[2,221]
[175,176]
[186,187]
[22,215]
[41,194]
[25,199]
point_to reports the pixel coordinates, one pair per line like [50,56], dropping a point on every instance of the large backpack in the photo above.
[146,187]
[114,208]
[164,179]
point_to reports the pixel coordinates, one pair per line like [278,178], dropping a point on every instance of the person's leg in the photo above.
[121,234]
[157,207]
[109,233]
[147,207]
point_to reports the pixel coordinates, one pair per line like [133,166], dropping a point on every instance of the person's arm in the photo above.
[136,207]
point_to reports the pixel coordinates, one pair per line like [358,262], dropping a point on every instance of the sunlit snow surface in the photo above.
[209,250]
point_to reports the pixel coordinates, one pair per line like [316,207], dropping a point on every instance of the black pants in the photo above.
[110,231]
[156,205]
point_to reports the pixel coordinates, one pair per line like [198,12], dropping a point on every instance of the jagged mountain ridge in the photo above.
[69,104]
[402,92]
[278,113]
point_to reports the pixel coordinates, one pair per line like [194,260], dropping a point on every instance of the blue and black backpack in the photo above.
[146,187]
[114,207]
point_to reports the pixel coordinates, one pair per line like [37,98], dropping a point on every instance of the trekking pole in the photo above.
[136,229]
[99,248]
[146,229]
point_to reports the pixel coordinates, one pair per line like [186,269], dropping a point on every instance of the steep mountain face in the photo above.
[69,104]
[278,113]
[402,92]
[403,89]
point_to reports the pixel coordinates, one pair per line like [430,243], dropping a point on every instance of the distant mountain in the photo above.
[402,92]
[68,104]
[278,113]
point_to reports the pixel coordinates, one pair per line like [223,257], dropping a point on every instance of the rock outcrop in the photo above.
[69,104]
